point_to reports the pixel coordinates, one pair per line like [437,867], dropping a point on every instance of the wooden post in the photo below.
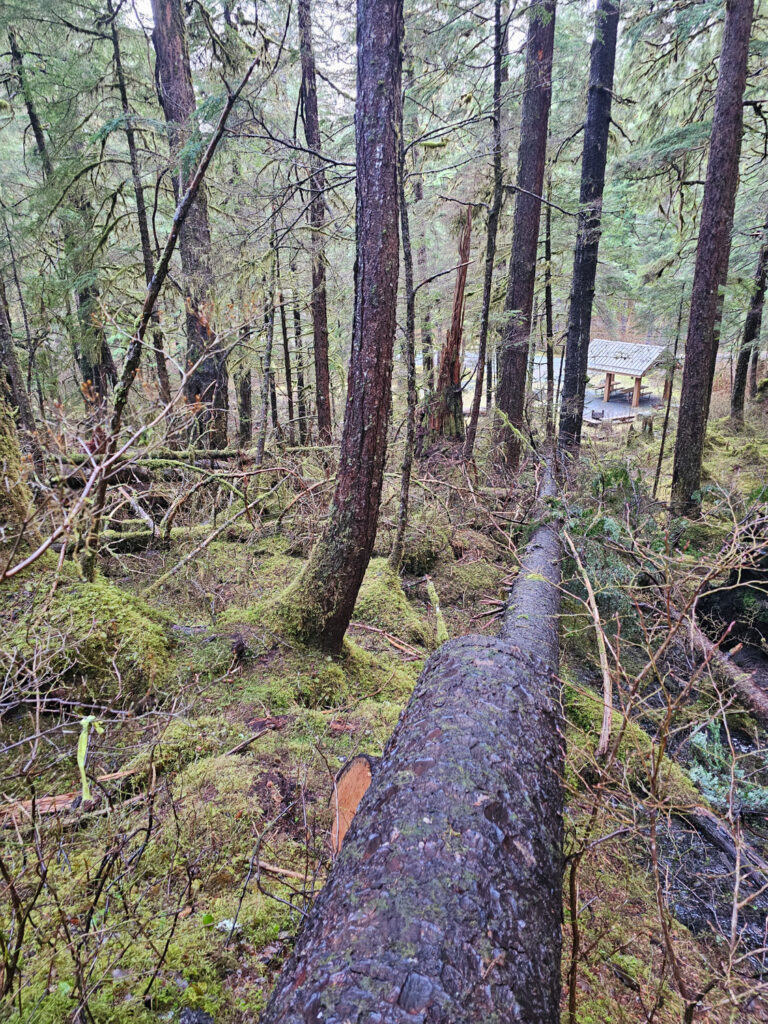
[667,387]
[636,392]
[608,387]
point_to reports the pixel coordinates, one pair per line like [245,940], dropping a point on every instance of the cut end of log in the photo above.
[352,783]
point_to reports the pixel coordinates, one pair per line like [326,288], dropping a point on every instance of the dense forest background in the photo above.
[228,547]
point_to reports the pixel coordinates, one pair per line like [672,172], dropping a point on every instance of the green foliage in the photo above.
[716,773]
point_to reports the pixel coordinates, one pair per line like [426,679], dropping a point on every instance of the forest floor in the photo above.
[175,891]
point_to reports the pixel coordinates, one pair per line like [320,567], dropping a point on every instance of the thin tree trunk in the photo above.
[300,386]
[320,603]
[286,350]
[537,95]
[753,370]
[602,63]
[207,383]
[317,222]
[163,382]
[396,554]
[670,385]
[266,364]
[549,324]
[445,902]
[712,254]
[493,224]
[244,391]
[752,326]
[446,407]
[489,384]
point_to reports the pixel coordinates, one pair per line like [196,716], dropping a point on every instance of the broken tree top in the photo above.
[623,357]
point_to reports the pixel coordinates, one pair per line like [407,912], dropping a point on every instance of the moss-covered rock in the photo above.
[101,640]
[463,583]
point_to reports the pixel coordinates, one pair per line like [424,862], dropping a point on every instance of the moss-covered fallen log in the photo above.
[444,904]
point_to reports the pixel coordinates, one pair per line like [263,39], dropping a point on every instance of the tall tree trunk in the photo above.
[752,326]
[398,547]
[163,382]
[91,349]
[317,221]
[446,407]
[602,62]
[301,399]
[532,154]
[321,601]
[207,383]
[712,254]
[493,224]
[286,350]
[549,324]
[445,902]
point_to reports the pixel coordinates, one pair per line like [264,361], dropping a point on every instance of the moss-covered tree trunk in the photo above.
[445,902]
[320,603]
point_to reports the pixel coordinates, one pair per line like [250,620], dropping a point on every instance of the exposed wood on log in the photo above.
[352,784]
[444,903]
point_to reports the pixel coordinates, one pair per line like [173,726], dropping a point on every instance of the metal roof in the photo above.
[623,357]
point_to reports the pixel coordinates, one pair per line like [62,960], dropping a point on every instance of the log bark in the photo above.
[444,904]
[712,255]
[537,95]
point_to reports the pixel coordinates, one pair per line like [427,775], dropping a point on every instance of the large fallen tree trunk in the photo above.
[444,904]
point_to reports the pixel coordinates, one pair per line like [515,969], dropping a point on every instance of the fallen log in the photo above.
[444,904]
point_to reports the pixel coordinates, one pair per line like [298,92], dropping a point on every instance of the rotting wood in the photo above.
[444,902]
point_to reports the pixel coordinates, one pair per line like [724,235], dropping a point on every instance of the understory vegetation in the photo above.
[213,740]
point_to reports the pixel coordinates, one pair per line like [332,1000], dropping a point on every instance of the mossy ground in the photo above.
[157,888]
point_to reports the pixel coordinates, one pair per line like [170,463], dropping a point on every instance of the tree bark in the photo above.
[751,335]
[445,902]
[163,382]
[446,406]
[398,547]
[301,401]
[493,224]
[712,254]
[286,350]
[317,222]
[596,126]
[549,324]
[320,603]
[753,371]
[207,383]
[532,154]
[266,365]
